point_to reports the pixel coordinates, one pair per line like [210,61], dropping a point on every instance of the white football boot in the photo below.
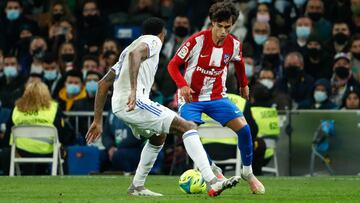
[142,191]
[217,186]
[255,185]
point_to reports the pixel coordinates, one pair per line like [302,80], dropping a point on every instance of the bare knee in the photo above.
[157,140]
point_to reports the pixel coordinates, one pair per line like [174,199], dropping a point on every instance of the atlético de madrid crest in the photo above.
[226,58]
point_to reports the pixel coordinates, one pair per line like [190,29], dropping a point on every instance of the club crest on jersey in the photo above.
[226,58]
[183,51]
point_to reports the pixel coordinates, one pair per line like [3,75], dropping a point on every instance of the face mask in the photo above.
[50,74]
[91,87]
[36,69]
[260,39]
[340,38]
[342,72]
[72,89]
[10,71]
[356,55]
[181,31]
[67,57]
[248,70]
[263,18]
[39,53]
[303,32]
[320,96]
[264,1]
[281,5]
[92,19]
[315,16]
[12,14]
[267,83]
[57,16]
[299,3]
[314,53]
[292,72]
[273,59]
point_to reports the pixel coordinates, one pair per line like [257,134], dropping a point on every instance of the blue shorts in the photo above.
[221,110]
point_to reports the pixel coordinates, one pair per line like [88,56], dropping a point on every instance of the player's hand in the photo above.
[94,132]
[131,101]
[111,152]
[186,92]
[244,92]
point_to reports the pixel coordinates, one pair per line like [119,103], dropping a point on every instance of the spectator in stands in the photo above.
[355,53]
[109,54]
[300,6]
[123,149]
[10,24]
[22,48]
[355,10]
[338,10]
[271,57]
[38,47]
[351,100]
[141,10]
[51,74]
[50,20]
[267,78]
[67,57]
[340,38]
[303,29]
[315,11]
[260,33]
[295,82]
[90,63]
[36,98]
[320,98]
[61,32]
[72,91]
[5,114]
[180,32]
[317,63]
[342,79]
[92,29]
[10,81]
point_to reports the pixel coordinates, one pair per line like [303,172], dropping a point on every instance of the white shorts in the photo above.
[148,118]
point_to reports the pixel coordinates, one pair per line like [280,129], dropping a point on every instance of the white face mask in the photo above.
[268,83]
[320,96]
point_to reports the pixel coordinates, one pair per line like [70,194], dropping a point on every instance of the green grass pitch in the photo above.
[113,189]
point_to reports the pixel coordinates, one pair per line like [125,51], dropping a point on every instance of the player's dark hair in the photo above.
[223,11]
[153,26]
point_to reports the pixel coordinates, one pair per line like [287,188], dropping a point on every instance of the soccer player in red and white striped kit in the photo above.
[206,56]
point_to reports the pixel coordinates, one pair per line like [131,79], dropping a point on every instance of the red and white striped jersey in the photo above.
[206,65]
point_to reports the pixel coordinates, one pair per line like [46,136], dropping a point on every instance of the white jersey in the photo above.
[147,71]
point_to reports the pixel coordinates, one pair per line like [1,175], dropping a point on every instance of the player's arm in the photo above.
[136,57]
[104,84]
[182,55]
[240,73]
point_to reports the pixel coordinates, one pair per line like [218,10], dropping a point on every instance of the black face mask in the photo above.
[292,72]
[356,55]
[181,31]
[67,57]
[342,72]
[314,53]
[57,16]
[92,19]
[315,16]
[39,53]
[340,38]
[273,59]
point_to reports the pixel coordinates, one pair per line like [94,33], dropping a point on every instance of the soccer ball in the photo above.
[191,182]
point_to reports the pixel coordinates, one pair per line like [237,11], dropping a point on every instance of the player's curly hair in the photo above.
[223,11]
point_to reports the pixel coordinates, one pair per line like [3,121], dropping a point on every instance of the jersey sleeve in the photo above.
[239,65]
[154,44]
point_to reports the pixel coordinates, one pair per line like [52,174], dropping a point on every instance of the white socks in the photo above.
[247,170]
[147,160]
[197,153]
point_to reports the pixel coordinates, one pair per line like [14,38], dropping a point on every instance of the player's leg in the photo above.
[229,115]
[147,160]
[197,153]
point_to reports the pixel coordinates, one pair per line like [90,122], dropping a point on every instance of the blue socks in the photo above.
[245,145]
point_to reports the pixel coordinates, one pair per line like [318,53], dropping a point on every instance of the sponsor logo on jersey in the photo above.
[183,51]
[211,72]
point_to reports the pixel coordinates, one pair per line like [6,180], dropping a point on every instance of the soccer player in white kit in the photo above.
[132,77]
